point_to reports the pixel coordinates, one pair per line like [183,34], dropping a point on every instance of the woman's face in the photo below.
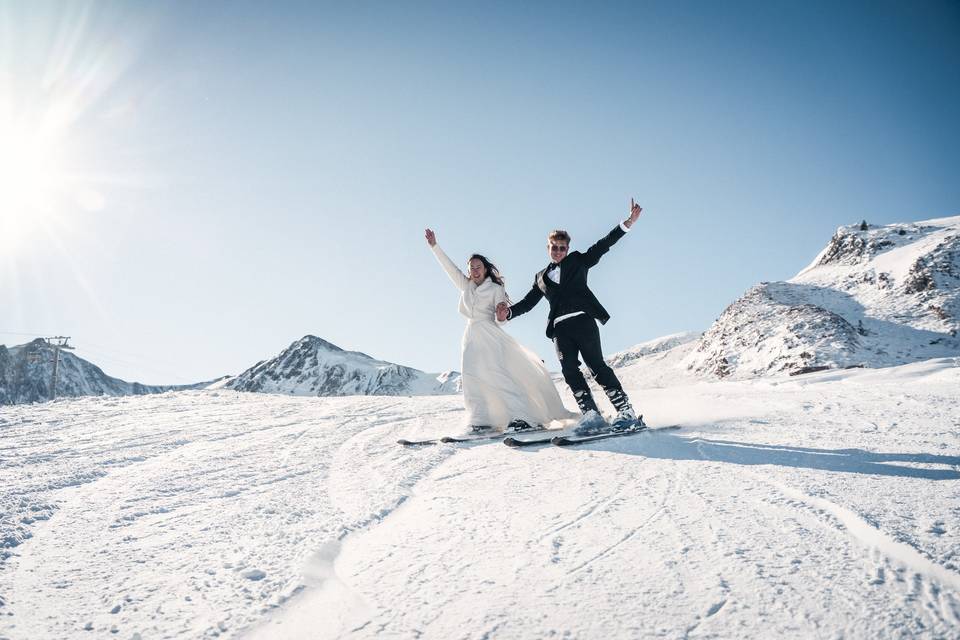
[478,272]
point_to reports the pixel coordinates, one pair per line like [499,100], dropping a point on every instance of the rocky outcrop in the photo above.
[766,332]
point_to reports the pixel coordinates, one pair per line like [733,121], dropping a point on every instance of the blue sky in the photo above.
[219,179]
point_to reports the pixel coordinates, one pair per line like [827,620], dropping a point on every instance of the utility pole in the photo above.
[56,343]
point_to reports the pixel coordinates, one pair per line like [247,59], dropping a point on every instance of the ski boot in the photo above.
[591,423]
[627,420]
[479,430]
[520,426]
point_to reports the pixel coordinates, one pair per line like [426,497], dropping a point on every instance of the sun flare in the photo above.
[31,183]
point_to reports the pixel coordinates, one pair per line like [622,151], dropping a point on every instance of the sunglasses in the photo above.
[558,247]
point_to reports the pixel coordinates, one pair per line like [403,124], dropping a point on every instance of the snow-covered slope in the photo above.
[874,297]
[26,375]
[823,506]
[312,366]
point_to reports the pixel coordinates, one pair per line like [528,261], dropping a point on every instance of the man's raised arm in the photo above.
[593,254]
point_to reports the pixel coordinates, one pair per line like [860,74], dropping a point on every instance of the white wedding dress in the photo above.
[502,380]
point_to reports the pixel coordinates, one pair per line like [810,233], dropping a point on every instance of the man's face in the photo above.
[557,249]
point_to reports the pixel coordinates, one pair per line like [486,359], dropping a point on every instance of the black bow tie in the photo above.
[552,266]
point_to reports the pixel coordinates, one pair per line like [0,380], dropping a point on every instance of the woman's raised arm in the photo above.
[456,276]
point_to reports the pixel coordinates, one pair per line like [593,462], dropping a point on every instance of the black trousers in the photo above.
[579,337]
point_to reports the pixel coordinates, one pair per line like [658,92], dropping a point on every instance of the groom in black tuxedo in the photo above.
[572,322]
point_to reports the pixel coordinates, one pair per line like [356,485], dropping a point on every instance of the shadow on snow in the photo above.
[678,447]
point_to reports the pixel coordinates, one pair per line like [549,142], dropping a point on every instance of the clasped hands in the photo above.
[502,311]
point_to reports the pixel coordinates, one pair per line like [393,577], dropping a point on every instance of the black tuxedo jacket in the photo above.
[571,293]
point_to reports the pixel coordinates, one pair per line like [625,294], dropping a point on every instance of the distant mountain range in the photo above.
[312,366]
[651,347]
[874,297]
[26,375]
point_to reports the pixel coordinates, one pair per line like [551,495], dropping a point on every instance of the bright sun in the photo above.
[31,184]
[59,107]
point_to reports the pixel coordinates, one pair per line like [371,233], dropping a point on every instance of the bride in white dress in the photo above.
[505,385]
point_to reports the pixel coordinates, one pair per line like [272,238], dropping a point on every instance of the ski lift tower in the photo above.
[56,343]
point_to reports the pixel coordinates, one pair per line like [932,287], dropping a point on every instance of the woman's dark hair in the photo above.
[492,272]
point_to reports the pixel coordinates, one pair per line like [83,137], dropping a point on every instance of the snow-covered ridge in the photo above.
[312,366]
[651,347]
[26,375]
[874,297]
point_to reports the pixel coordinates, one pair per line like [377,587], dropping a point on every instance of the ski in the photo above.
[416,443]
[446,440]
[485,436]
[460,439]
[566,441]
[512,441]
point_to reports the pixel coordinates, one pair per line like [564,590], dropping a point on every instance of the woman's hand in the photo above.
[431,237]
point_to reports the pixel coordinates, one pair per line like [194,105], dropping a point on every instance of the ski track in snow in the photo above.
[817,507]
[182,515]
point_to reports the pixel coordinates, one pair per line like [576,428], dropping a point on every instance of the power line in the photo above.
[103,356]
[14,333]
[135,360]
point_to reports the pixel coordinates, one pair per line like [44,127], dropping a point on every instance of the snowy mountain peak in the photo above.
[312,366]
[862,243]
[319,343]
[875,296]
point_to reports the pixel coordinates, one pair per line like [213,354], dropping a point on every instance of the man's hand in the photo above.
[502,311]
[635,210]
[431,237]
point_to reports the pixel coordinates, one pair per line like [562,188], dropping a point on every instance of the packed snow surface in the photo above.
[821,506]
